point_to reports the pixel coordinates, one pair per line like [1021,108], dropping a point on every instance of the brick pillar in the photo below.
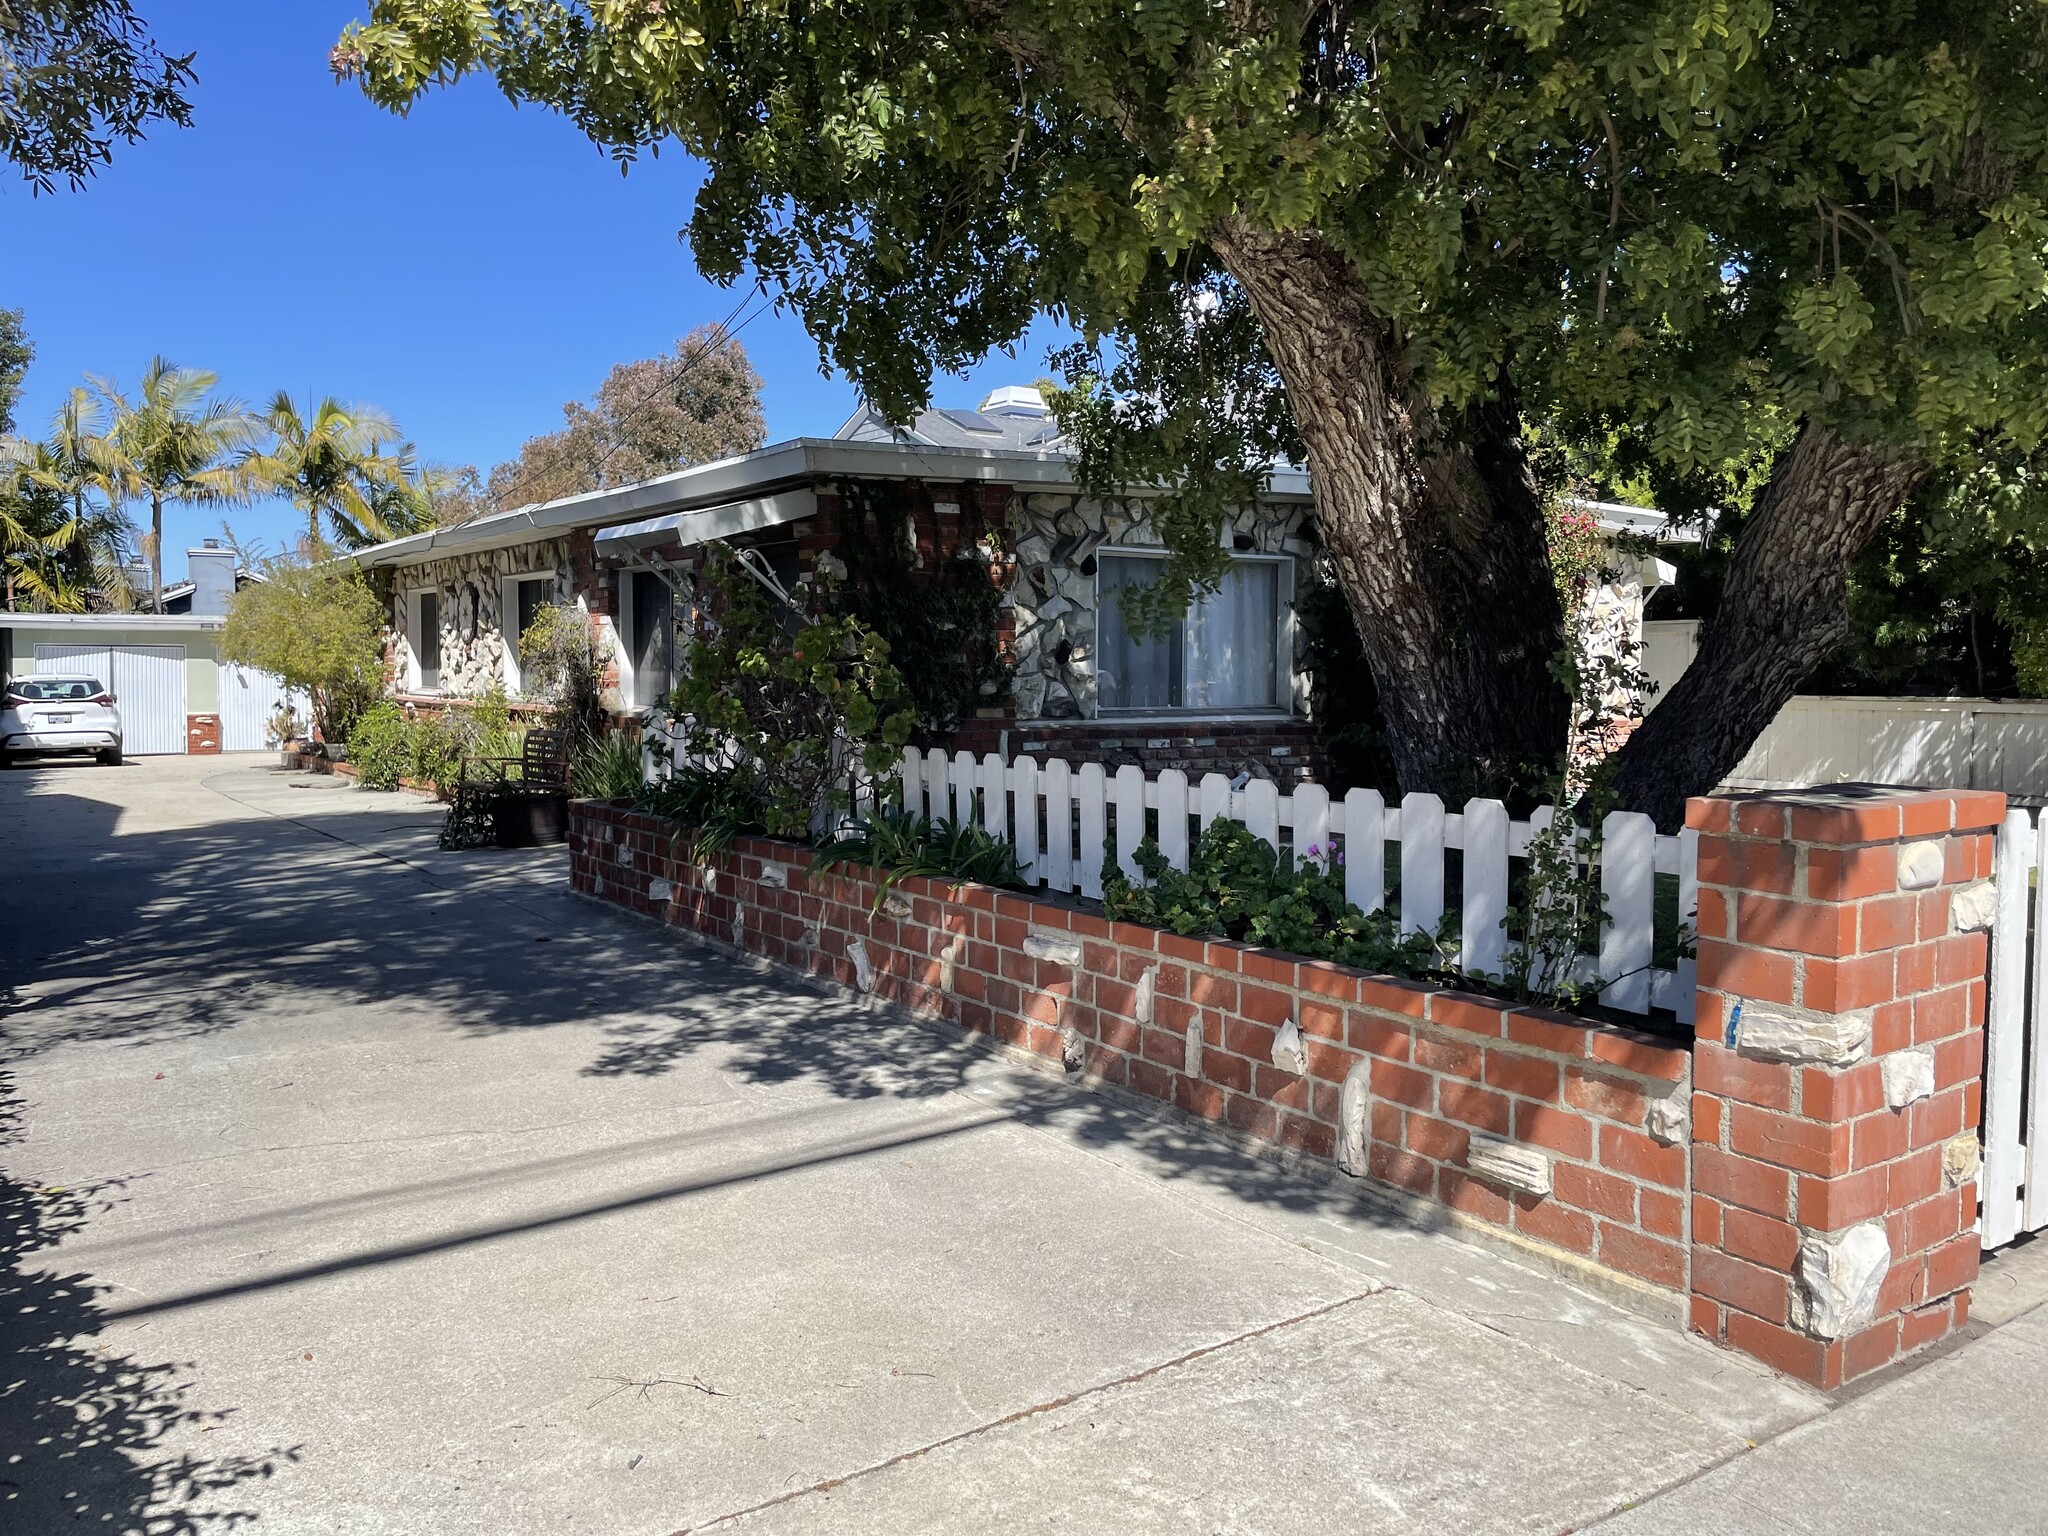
[1837,1072]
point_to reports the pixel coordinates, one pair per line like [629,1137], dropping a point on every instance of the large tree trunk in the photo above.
[1435,529]
[1784,608]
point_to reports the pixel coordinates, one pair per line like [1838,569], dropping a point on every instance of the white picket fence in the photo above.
[1058,816]
[2013,1185]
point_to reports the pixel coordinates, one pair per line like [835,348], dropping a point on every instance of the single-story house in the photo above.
[1224,691]
[175,692]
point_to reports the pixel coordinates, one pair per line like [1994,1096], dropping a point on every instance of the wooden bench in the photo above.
[513,802]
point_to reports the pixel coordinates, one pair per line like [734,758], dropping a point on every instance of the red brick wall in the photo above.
[1439,1067]
[202,734]
[1826,918]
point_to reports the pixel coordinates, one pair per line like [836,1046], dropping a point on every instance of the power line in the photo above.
[729,327]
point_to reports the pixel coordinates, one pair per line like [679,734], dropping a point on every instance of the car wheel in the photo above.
[111,757]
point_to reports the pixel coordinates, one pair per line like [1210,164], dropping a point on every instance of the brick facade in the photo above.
[1837,1072]
[1564,1132]
[202,734]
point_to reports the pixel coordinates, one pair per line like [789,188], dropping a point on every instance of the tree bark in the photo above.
[1784,609]
[1435,529]
[156,554]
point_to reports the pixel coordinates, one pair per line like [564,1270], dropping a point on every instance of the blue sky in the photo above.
[469,268]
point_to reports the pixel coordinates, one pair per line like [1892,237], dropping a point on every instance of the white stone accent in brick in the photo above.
[1044,946]
[1827,1039]
[775,876]
[1141,1006]
[1920,866]
[896,904]
[863,967]
[1839,1278]
[1072,1053]
[949,957]
[1287,1053]
[1191,1050]
[660,890]
[1353,1111]
[1961,1157]
[1908,1075]
[1668,1121]
[1974,907]
[1508,1164]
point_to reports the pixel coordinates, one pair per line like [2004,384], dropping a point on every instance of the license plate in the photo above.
[58,719]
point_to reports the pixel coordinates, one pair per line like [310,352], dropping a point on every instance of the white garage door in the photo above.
[248,700]
[147,680]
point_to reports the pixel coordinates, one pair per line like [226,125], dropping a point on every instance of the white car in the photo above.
[59,714]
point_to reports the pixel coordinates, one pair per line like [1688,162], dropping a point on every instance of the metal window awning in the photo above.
[627,540]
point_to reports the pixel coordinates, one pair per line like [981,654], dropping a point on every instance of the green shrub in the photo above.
[717,804]
[798,698]
[1239,886]
[899,843]
[380,747]
[607,769]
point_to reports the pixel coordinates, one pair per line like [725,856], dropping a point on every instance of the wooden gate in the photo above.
[2014,1182]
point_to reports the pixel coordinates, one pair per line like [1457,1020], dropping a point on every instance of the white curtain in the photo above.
[1232,640]
[1130,673]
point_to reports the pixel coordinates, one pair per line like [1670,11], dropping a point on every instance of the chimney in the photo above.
[212,573]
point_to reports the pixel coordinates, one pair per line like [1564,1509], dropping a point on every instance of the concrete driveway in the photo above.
[351,1186]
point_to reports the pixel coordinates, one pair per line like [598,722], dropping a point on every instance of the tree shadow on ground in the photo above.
[190,930]
[82,1428]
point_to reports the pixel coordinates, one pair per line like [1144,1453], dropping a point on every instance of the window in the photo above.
[1223,655]
[520,602]
[426,639]
[652,640]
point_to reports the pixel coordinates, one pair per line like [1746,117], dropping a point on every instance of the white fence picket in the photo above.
[1483,940]
[2034,1172]
[1058,778]
[995,797]
[1090,791]
[1024,822]
[2005,1041]
[1171,790]
[1422,863]
[1312,824]
[1628,882]
[965,774]
[1365,849]
[1129,799]
[1076,807]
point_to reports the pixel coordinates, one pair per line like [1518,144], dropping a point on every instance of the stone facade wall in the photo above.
[472,596]
[1566,1133]
[1057,541]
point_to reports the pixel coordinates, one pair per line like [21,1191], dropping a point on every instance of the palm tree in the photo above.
[32,564]
[175,443]
[332,465]
[75,464]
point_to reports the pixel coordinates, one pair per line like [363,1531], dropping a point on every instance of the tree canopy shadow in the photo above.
[83,1428]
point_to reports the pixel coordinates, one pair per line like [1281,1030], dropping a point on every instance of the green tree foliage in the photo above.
[63,535]
[336,466]
[176,443]
[699,403]
[794,699]
[16,353]
[316,624]
[563,658]
[1386,232]
[75,77]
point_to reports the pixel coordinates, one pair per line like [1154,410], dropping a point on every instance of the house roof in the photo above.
[798,462]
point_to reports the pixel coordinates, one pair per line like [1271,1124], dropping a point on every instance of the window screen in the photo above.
[1223,654]
[654,639]
[428,640]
